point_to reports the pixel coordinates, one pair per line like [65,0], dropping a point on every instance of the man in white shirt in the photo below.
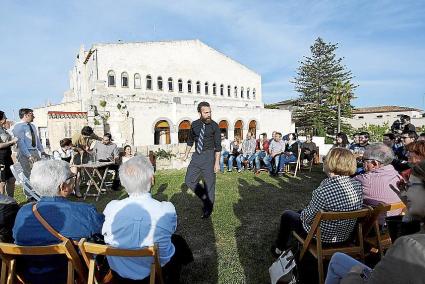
[140,221]
[277,147]
[225,150]
[29,143]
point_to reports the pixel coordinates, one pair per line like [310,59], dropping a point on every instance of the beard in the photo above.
[206,120]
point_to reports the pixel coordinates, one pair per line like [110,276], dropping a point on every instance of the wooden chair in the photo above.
[9,252]
[313,241]
[89,250]
[380,241]
[297,164]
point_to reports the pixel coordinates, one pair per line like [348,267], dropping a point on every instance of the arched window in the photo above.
[214,89]
[137,81]
[189,86]
[253,93]
[184,130]
[236,92]
[247,93]
[198,87]
[223,125]
[253,127]
[238,129]
[228,90]
[242,92]
[148,82]
[206,88]
[111,78]
[221,90]
[170,84]
[159,83]
[124,80]
[162,133]
[180,83]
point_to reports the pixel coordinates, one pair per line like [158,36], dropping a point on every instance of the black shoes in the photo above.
[207,209]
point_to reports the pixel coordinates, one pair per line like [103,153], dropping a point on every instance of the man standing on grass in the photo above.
[205,133]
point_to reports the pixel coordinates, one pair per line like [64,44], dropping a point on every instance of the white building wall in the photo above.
[362,119]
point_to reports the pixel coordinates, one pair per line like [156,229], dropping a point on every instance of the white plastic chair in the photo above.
[18,173]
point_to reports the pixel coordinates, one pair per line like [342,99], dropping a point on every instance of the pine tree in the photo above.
[316,77]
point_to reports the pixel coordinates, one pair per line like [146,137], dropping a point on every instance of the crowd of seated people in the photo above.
[135,222]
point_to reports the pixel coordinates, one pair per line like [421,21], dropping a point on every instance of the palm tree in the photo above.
[340,94]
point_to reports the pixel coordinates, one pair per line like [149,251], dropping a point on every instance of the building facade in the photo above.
[146,93]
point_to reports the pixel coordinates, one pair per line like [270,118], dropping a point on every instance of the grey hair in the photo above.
[48,175]
[379,152]
[136,175]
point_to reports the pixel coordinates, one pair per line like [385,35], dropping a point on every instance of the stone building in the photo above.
[146,93]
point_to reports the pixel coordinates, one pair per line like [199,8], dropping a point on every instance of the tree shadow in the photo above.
[200,236]
[258,210]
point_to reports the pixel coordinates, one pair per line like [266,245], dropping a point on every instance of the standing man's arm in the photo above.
[19,133]
[217,147]
[189,143]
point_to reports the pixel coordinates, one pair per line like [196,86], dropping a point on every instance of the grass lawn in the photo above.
[233,245]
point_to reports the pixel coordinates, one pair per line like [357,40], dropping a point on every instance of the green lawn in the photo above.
[233,245]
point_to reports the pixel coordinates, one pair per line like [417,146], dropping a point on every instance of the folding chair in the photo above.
[297,164]
[381,240]
[89,250]
[9,253]
[313,241]
[18,173]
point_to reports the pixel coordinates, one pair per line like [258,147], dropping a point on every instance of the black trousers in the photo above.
[202,166]
[289,221]
[171,270]
[309,156]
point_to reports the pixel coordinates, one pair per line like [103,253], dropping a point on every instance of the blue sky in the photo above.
[383,42]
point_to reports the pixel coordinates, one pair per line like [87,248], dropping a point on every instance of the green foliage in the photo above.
[102,103]
[376,131]
[420,129]
[119,106]
[322,80]
[96,122]
[271,106]
[162,154]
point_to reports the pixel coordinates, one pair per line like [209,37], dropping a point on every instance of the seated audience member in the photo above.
[273,137]
[53,181]
[140,221]
[355,144]
[338,193]
[276,148]
[404,261]
[65,152]
[225,150]
[8,209]
[363,142]
[341,141]
[248,151]
[416,154]
[127,154]
[401,153]
[262,150]
[405,124]
[380,177]
[389,139]
[106,151]
[308,149]
[421,136]
[235,151]
[290,154]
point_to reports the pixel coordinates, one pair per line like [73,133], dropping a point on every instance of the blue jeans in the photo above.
[340,265]
[230,162]
[223,155]
[258,157]
[248,157]
[283,160]
[239,160]
[268,162]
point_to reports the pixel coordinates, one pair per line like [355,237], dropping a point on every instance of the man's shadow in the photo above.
[259,209]
[200,236]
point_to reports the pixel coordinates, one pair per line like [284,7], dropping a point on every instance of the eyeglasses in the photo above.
[370,160]
[71,179]
[404,137]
